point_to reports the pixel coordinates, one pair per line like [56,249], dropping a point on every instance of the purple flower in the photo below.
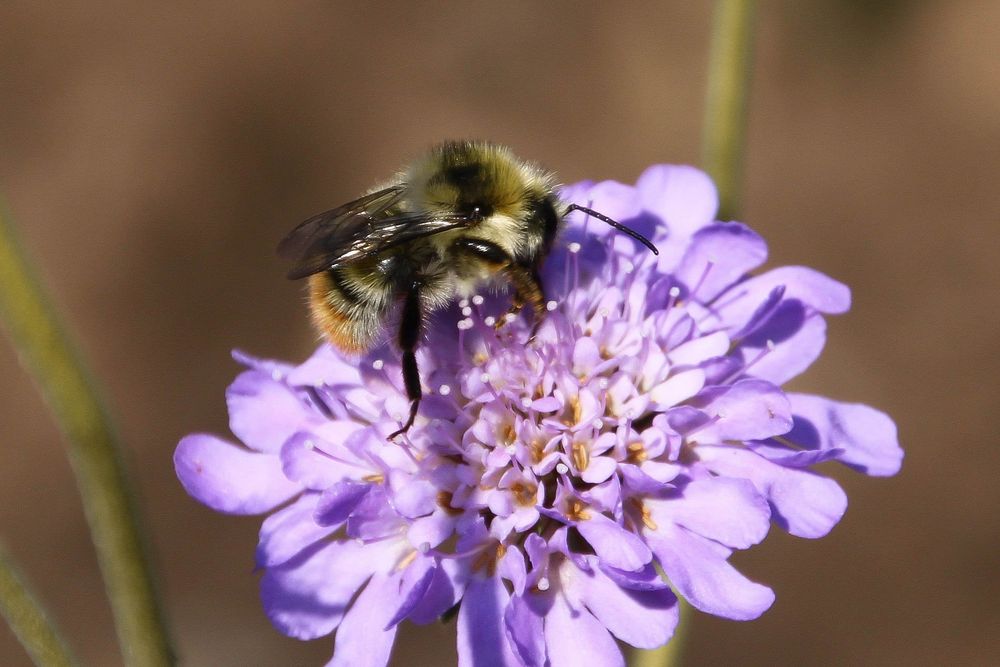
[545,484]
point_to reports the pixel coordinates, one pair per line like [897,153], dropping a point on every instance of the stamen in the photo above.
[747,366]
[708,268]
[276,375]
[526,402]
[464,303]
[674,292]
[378,364]
[562,468]
[477,300]
[543,584]
[574,247]
[444,390]
[466,311]
[490,321]
[551,305]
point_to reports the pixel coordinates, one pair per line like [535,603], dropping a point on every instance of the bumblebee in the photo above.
[464,215]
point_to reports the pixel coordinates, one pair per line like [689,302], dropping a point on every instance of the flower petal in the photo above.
[613,544]
[363,639]
[482,639]
[339,501]
[290,530]
[230,479]
[804,504]
[302,598]
[867,436]
[747,410]
[718,256]
[729,511]
[264,413]
[525,631]
[644,619]
[698,569]
[574,637]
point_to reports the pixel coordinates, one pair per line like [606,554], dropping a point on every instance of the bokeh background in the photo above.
[152,154]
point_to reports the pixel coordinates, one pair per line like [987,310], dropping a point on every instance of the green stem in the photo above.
[729,68]
[28,620]
[667,655]
[47,351]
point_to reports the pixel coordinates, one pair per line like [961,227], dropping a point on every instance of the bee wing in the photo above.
[331,227]
[359,229]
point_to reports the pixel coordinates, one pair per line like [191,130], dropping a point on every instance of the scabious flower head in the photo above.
[548,483]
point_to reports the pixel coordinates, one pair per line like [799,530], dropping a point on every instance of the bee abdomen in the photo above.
[347,314]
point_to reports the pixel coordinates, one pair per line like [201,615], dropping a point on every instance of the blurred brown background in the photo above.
[153,155]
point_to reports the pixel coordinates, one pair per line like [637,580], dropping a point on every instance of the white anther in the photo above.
[721,414]
[510,449]
[485,378]
[525,401]
[543,584]
[604,312]
[574,247]
[444,390]
[464,303]
[551,305]
[603,383]
[628,266]
[489,320]
[598,423]
[675,291]
[424,547]
[309,444]
[562,468]
[276,375]
[467,311]
[465,324]
[770,345]
[477,300]
[509,317]
[378,364]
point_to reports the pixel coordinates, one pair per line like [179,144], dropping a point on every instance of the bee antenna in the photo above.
[614,223]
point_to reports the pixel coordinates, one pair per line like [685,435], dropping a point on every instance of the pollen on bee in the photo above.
[378,364]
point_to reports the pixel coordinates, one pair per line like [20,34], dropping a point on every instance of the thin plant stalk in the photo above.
[729,66]
[723,141]
[47,351]
[28,620]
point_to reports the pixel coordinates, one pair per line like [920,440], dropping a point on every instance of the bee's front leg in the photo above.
[410,329]
[524,279]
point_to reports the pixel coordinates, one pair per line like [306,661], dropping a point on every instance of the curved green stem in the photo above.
[668,655]
[47,351]
[25,616]
[729,68]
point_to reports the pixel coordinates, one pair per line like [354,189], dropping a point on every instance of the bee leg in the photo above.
[528,290]
[524,279]
[410,328]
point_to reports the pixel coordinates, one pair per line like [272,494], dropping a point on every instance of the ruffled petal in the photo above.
[729,511]
[231,479]
[805,504]
[525,631]
[482,638]
[613,544]
[574,637]
[264,413]
[365,637]
[747,410]
[867,436]
[698,569]
[288,531]
[718,256]
[642,618]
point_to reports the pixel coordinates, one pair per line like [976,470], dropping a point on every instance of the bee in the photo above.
[463,215]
